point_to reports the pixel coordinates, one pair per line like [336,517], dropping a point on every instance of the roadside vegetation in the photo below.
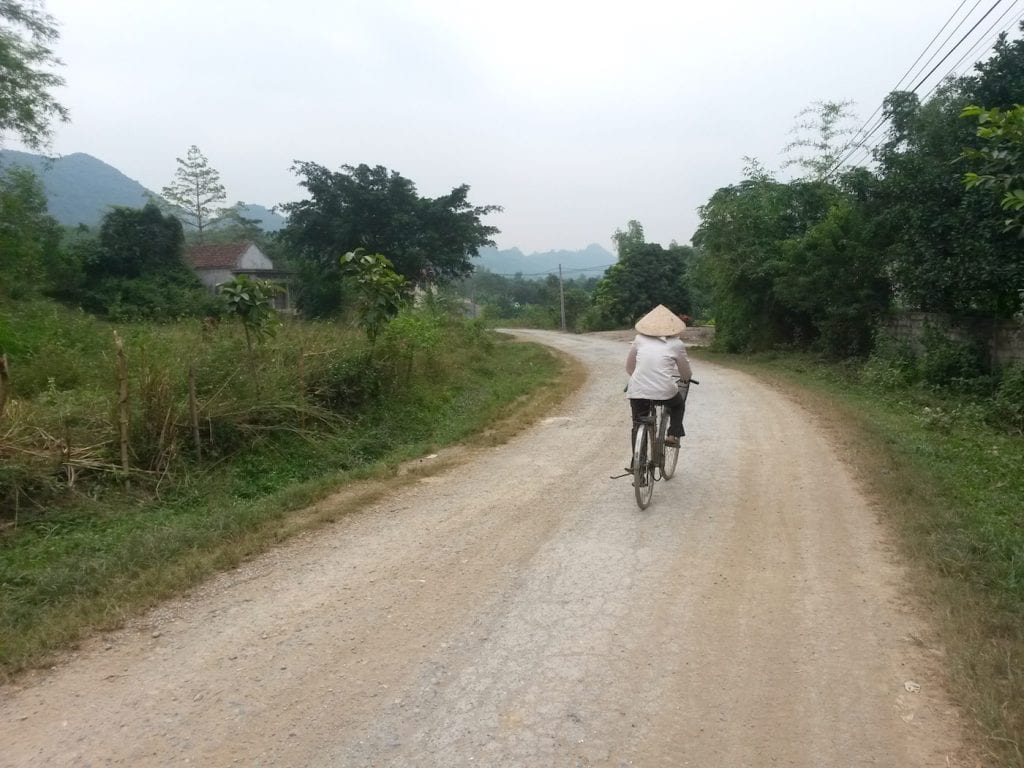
[84,543]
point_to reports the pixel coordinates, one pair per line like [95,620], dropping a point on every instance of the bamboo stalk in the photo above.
[193,410]
[122,401]
[5,382]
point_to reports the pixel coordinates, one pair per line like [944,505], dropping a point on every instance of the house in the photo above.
[217,264]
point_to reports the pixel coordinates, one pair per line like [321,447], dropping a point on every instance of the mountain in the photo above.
[268,219]
[592,261]
[80,189]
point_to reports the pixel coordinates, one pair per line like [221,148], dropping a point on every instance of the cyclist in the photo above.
[657,362]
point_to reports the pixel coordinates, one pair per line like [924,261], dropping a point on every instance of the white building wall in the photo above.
[213,277]
[254,258]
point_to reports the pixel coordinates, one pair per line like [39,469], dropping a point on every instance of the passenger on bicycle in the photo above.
[657,364]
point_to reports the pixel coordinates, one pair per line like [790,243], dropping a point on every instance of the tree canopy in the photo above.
[26,57]
[645,275]
[380,211]
[134,268]
[195,191]
[29,236]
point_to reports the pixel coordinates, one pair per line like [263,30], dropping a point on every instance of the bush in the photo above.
[159,297]
[892,363]
[944,360]
[1009,398]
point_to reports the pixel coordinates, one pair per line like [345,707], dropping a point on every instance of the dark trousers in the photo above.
[641,408]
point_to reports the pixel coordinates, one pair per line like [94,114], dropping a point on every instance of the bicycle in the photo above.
[652,459]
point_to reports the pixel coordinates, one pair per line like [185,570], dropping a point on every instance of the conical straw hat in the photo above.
[660,321]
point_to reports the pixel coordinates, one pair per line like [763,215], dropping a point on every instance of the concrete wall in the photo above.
[213,277]
[254,258]
[1004,339]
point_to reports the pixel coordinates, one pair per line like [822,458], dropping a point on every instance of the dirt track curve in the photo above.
[519,610]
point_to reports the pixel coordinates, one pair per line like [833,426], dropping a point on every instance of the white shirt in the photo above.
[656,363]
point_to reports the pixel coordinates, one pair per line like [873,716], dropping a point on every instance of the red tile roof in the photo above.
[224,256]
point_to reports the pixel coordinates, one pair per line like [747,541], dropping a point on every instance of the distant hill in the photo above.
[268,219]
[590,262]
[80,189]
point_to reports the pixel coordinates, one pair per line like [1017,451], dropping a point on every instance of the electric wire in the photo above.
[959,43]
[986,40]
[946,40]
[861,146]
[552,271]
[910,69]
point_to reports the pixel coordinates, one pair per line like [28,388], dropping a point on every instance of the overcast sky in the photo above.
[574,116]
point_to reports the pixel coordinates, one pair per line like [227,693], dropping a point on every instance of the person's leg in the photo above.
[640,409]
[676,406]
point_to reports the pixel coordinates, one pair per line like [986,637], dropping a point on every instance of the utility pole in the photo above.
[561,296]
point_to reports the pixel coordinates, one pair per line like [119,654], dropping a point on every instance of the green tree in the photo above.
[251,301]
[822,138]
[832,282]
[1001,158]
[29,236]
[136,242]
[380,291]
[946,247]
[195,191]
[426,239]
[740,236]
[136,269]
[26,107]
[645,275]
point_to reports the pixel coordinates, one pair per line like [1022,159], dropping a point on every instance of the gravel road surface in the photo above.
[519,610]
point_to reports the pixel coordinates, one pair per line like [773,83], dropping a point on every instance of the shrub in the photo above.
[892,363]
[944,360]
[1009,398]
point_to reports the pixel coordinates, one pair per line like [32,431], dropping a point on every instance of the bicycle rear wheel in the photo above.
[643,471]
[671,454]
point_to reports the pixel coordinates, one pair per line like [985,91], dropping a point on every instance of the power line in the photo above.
[959,43]
[552,271]
[919,57]
[984,41]
[932,41]
[948,38]
[861,146]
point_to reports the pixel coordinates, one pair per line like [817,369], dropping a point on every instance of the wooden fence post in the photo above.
[5,382]
[122,400]
[193,409]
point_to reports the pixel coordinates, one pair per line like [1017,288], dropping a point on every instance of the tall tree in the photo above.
[822,138]
[946,246]
[195,191]
[29,237]
[26,107]
[645,275]
[380,211]
[135,268]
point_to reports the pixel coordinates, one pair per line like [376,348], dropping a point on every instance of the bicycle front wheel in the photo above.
[643,471]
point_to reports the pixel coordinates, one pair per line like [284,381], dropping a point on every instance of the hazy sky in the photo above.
[574,116]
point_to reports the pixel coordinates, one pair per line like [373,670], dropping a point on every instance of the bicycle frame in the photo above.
[651,460]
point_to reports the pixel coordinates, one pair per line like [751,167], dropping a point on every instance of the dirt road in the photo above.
[519,610]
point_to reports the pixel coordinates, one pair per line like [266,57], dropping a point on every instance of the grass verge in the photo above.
[953,490]
[94,563]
